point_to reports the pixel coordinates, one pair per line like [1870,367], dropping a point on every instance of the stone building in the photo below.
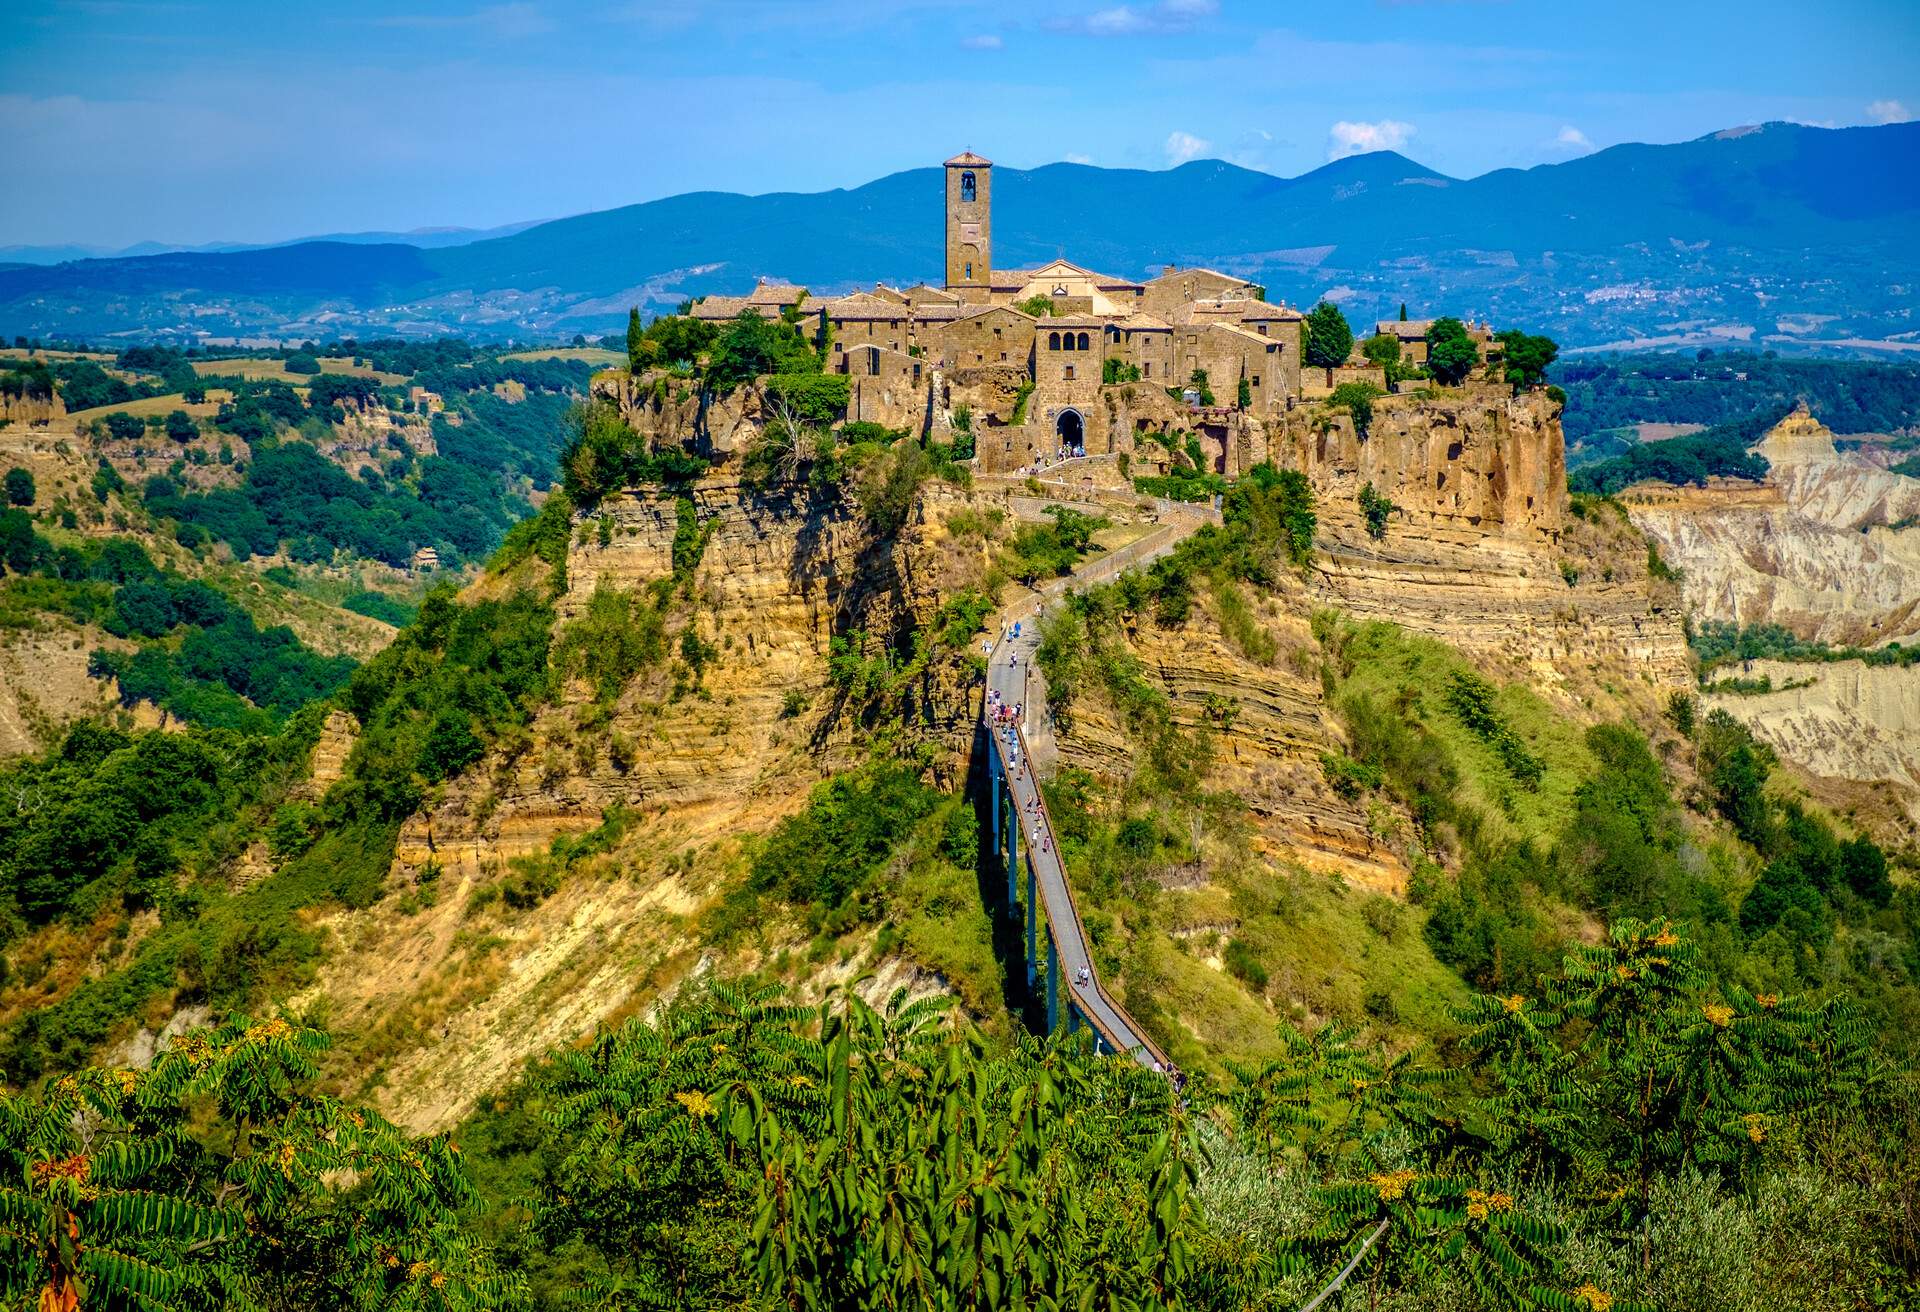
[1037,382]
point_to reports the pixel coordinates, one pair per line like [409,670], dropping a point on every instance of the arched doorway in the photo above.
[1072,431]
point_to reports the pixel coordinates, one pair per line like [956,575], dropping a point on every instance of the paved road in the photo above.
[1007,675]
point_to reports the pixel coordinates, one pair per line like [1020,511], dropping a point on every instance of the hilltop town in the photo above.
[1067,360]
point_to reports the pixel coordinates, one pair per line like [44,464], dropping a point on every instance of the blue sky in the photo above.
[192,122]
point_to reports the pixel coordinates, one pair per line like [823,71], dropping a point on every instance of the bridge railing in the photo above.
[1060,926]
[1140,1038]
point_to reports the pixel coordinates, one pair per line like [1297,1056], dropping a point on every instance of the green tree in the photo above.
[1357,400]
[636,340]
[1375,509]
[180,426]
[1038,305]
[1527,358]
[1403,312]
[751,347]
[219,1178]
[303,362]
[1451,353]
[1329,336]
[1383,349]
[19,486]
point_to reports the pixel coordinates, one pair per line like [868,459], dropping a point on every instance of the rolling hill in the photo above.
[1724,236]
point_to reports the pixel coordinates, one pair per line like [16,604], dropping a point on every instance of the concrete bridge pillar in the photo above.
[1053,985]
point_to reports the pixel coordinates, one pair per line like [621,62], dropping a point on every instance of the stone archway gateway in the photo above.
[1071,429]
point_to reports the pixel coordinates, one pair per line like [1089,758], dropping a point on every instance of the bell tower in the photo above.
[970,227]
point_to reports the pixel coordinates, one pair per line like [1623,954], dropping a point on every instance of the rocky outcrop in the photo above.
[1481,462]
[672,412]
[1840,720]
[1818,548]
[30,411]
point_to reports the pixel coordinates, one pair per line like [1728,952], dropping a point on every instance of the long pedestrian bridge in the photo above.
[1025,846]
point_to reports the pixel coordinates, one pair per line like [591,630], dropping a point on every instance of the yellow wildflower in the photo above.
[286,1160]
[799,1081]
[1721,1016]
[1623,972]
[193,1048]
[1599,1300]
[696,1102]
[1756,1126]
[1393,1185]
[1513,1004]
[127,1080]
[417,1270]
[439,1280]
[718,1048]
[1768,1000]
[1479,1204]
[273,1029]
[1666,938]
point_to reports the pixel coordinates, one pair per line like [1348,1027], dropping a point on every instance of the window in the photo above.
[969,274]
[967,189]
[1256,380]
[1053,341]
[1083,341]
[1146,370]
[1069,373]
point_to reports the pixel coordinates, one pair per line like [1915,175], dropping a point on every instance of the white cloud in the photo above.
[1134,20]
[1184,146]
[985,41]
[1572,138]
[1889,111]
[1076,158]
[1344,138]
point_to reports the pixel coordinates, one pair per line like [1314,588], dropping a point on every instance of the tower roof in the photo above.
[967,159]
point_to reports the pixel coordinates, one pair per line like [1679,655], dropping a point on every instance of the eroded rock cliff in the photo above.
[1824,546]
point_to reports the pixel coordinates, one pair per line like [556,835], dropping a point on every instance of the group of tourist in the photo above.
[1060,456]
[999,711]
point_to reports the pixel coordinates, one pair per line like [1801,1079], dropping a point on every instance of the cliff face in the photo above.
[777,579]
[1845,720]
[1482,462]
[1815,548]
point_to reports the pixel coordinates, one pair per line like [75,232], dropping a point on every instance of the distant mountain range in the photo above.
[424,238]
[1780,231]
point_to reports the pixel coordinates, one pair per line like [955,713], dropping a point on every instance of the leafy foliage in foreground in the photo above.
[741,1151]
[220,1179]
